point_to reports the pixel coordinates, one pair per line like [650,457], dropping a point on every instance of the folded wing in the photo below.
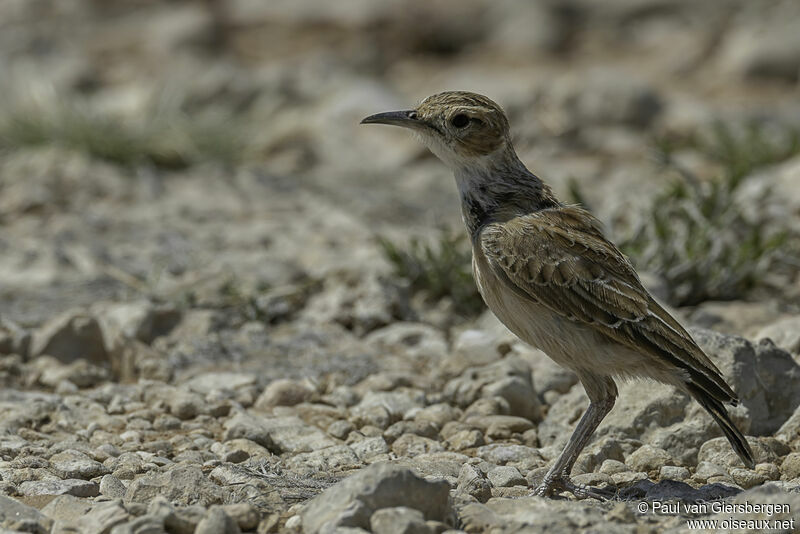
[559,258]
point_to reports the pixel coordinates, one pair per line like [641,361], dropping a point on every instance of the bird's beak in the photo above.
[406,118]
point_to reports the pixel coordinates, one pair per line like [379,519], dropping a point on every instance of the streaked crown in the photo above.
[473,123]
[457,126]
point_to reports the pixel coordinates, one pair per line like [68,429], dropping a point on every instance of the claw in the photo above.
[580,491]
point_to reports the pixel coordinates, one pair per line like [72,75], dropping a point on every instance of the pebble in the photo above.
[75,464]
[78,488]
[505,476]
[398,520]
[673,472]
[112,487]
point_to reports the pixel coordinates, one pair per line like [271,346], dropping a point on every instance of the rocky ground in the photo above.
[199,331]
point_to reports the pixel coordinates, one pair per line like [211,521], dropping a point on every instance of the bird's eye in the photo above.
[460,120]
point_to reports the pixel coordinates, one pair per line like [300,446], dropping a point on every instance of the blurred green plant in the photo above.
[706,241]
[166,139]
[437,269]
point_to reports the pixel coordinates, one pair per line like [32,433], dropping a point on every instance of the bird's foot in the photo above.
[562,483]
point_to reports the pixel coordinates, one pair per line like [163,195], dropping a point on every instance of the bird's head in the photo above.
[462,129]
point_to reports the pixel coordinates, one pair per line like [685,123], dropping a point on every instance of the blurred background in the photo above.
[206,155]
[217,283]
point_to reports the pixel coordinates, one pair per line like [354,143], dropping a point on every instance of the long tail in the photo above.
[714,407]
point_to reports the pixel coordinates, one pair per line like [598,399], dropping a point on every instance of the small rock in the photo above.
[70,486]
[351,502]
[602,449]
[294,523]
[183,520]
[206,383]
[75,464]
[502,454]
[285,392]
[181,484]
[768,471]
[628,478]
[472,348]
[340,429]
[509,379]
[413,340]
[411,445]
[621,513]
[612,467]
[790,430]
[361,305]
[70,336]
[746,478]
[13,338]
[327,460]
[443,465]
[425,429]
[673,472]
[505,476]
[185,405]
[129,463]
[790,467]
[13,513]
[67,508]
[382,408]
[648,458]
[500,426]
[112,487]
[245,514]
[11,445]
[103,517]
[719,451]
[594,479]
[369,448]
[784,333]
[708,470]
[246,447]
[487,406]
[765,377]
[217,521]
[465,439]
[278,434]
[439,414]
[139,320]
[471,481]
[69,376]
[548,376]
[398,520]
[141,525]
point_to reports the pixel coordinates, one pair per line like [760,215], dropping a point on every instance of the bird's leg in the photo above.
[557,478]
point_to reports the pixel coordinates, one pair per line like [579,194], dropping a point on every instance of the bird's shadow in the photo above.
[670,490]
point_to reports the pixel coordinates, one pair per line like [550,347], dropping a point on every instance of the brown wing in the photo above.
[560,259]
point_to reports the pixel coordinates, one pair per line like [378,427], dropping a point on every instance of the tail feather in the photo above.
[716,409]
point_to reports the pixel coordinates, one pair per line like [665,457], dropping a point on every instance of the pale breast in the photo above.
[532,322]
[570,344]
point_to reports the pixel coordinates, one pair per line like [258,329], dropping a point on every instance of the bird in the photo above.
[547,271]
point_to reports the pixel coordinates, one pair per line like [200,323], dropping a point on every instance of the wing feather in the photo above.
[559,258]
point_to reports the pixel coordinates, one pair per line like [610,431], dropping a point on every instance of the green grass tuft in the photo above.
[169,140]
[441,269]
[700,236]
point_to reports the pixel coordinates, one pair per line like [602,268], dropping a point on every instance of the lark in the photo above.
[546,270]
